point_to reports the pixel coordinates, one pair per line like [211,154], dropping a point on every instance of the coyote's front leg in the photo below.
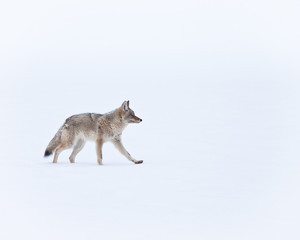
[118,143]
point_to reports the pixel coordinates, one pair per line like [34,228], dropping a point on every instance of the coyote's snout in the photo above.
[100,128]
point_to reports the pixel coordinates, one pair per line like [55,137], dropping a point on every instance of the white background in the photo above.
[217,86]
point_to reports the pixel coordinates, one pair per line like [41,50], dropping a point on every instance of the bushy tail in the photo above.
[54,143]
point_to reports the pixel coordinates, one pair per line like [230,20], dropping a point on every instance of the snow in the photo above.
[217,87]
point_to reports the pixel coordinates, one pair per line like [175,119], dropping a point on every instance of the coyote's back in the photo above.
[100,128]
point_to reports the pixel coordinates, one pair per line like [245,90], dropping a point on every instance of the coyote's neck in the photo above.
[114,121]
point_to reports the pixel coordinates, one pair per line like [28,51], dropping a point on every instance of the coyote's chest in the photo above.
[109,130]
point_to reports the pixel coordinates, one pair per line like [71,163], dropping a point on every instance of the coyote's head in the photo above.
[127,114]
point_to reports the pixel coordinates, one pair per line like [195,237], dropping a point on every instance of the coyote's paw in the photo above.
[99,162]
[138,161]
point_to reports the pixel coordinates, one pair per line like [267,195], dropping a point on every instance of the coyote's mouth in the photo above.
[136,120]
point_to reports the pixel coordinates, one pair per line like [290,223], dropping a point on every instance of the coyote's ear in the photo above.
[125,105]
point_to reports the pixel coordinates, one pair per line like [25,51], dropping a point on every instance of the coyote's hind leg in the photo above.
[99,144]
[61,147]
[76,149]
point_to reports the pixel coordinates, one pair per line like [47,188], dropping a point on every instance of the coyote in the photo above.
[100,128]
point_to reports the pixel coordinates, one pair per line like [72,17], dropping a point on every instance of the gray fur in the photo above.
[54,142]
[100,128]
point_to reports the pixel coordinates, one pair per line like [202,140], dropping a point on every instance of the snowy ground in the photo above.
[217,87]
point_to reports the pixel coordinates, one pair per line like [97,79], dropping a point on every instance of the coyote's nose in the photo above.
[141,119]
